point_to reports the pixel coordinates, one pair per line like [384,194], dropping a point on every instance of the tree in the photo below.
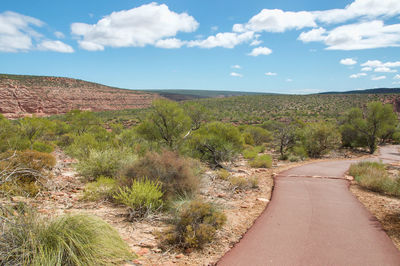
[259,135]
[82,121]
[319,138]
[375,123]
[285,135]
[216,142]
[166,122]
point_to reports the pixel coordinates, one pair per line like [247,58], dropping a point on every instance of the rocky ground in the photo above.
[242,207]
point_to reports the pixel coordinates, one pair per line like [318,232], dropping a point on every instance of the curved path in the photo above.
[313,219]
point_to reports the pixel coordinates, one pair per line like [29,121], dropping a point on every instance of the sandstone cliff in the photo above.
[25,95]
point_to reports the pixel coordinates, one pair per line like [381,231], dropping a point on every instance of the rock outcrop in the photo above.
[25,95]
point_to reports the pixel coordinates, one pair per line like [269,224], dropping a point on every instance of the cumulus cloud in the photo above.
[59,35]
[366,69]
[358,36]
[348,61]
[358,75]
[137,27]
[55,46]
[16,32]
[234,74]
[260,51]
[236,67]
[397,76]
[225,40]
[171,43]
[271,74]
[276,20]
[289,80]
[378,77]
[384,69]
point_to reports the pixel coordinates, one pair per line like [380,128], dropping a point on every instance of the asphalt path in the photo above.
[313,219]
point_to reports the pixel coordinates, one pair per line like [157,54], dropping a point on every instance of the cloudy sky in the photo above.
[285,46]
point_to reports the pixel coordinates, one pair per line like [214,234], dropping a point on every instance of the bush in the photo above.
[176,174]
[43,147]
[259,135]
[24,173]
[103,163]
[102,189]
[196,225]
[142,198]
[261,161]
[373,176]
[216,142]
[299,151]
[67,240]
[319,138]
[223,174]
[250,153]
[243,183]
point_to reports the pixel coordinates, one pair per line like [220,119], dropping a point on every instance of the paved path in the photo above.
[313,219]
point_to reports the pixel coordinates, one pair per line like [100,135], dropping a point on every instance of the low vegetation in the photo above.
[373,176]
[26,239]
[195,226]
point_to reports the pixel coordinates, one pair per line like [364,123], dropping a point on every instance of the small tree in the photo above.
[166,122]
[259,135]
[216,142]
[285,135]
[319,138]
[377,121]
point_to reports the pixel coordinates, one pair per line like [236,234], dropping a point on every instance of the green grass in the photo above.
[261,161]
[373,176]
[66,240]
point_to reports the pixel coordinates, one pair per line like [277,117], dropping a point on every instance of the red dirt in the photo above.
[312,220]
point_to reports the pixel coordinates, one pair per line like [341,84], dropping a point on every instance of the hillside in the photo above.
[21,95]
[367,91]
[182,95]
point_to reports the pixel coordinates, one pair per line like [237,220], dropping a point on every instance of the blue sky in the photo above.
[284,46]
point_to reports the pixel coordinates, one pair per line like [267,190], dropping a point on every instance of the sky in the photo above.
[297,46]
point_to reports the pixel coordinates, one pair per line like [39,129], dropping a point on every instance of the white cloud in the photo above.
[276,20]
[255,43]
[55,46]
[171,43]
[214,28]
[236,67]
[289,80]
[366,69]
[360,8]
[378,77]
[358,36]
[16,33]
[397,76]
[271,74]
[137,27]
[314,35]
[348,61]
[234,74]
[384,69]
[225,40]
[260,51]
[358,75]
[59,35]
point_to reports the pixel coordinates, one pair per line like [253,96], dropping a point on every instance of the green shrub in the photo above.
[216,142]
[293,158]
[299,151]
[24,173]
[373,176]
[176,173]
[103,163]
[196,225]
[243,183]
[261,161]
[101,189]
[250,153]
[223,174]
[258,135]
[67,240]
[142,198]
[43,147]
[248,138]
